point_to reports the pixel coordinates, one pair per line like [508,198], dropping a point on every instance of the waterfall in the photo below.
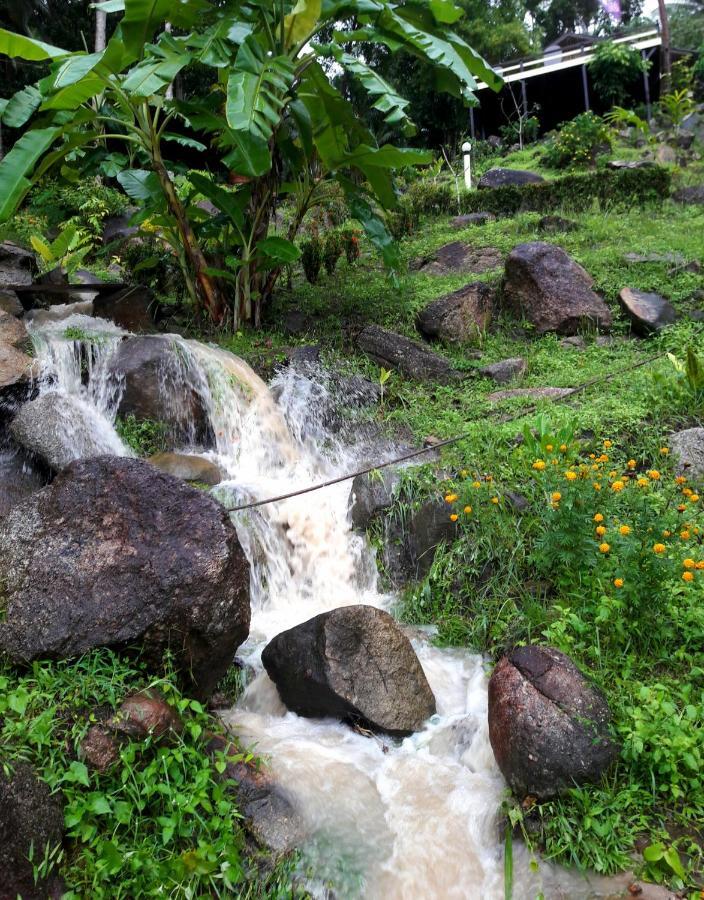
[388,819]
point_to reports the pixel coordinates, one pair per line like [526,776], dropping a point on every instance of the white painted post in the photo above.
[466,151]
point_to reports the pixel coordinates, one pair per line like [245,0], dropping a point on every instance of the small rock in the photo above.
[353,663]
[504,371]
[574,342]
[371,494]
[693,194]
[688,451]
[31,821]
[146,714]
[10,303]
[548,726]
[498,177]
[516,501]
[460,316]
[546,286]
[459,258]
[13,332]
[665,155]
[398,353]
[604,340]
[697,315]
[552,224]
[477,218]
[684,140]
[630,164]
[117,228]
[99,749]
[540,393]
[648,313]
[187,467]
[305,356]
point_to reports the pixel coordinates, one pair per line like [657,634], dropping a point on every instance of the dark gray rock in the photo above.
[295,323]
[575,342]
[459,258]
[114,553]
[187,467]
[371,494]
[353,663]
[9,303]
[58,428]
[131,309]
[495,178]
[693,194]
[304,356]
[688,451]
[117,228]
[548,726]
[552,224]
[31,822]
[17,256]
[505,370]
[410,546]
[399,353]
[649,313]
[460,316]
[547,287]
[477,218]
[155,385]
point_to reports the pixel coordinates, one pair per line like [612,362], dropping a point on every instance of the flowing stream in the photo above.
[388,819]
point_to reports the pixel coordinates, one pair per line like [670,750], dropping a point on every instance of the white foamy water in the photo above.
[398,820]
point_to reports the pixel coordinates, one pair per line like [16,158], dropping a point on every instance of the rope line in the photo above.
[444,443]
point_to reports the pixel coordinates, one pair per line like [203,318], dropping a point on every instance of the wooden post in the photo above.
[666,73]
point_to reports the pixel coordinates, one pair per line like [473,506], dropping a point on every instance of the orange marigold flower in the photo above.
[666,533]
[608,444]
[654,474]
[664,451]
[600,529]
[450,498]
[476,484]
[618,486]
[592,456]
[659,548]
[680,479]
[624,529]
[556,496]
[454,517]
[700,564]
[604,548]
[618,582]
[571,476]
[494,499]
[548,447]
[598,517]
[563,448]
[468,509]
[631,463]
[685,535]
[687,576]
[681,507]
[539,465]
[688,563]
[687,492]
[694,498]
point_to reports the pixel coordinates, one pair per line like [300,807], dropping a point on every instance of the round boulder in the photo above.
[460,316]
[498,177]
[353,663]
[114,553]
[548,726]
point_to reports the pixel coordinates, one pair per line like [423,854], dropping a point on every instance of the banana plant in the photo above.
[270,118]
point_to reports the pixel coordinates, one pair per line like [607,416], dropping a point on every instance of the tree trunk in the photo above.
[666,74]
[101,24]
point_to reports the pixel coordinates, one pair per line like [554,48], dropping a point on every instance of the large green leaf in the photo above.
[275,251]
[153,75]
[141,20]
[373,225]
[19,46]
[74,95]
[301,21]
[231,203]
[256,90]
[140,184]
[17,166]
[21,107]
[248,155]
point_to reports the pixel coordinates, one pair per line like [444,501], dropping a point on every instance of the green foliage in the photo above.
[333,248]
[615,70]
[144,436]
[527,131]
[312,258]
[682,381]
[676,106]
[578,142]
[619,118]
[68,251]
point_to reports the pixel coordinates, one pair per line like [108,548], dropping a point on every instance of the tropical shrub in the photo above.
[615,69]
[333,248]
[312,258]
[578,142]
[350,241]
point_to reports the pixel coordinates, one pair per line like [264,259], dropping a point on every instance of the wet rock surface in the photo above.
[458,258]
[410,546]
[460,316]
[499,177]
[371,494]
[400,354]
[13,332]
[114,553]
[31,821]
[18,479]
[648,313]
[688,450]
[187,467]
[548,726]
[505,370]
[353,663]
[10,303]
[131,309]
[547,287]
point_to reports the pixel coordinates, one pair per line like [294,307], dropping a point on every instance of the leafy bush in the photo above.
[312,258]
[332,250]
[578,142]
[350,241]
[676,106]
[145,436]
[615,70]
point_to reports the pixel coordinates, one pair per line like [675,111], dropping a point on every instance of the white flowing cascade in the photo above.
[387,819]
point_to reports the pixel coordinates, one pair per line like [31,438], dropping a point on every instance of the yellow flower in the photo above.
[554,462]
[597,486]
[659,548]
[631,463]
[607,444]
[476,484]
[681,507]
[604,548]
[463,473]
[563,448]
[687,492]
[556,496]
[642,482]
[613,474]
[688,563]
[548,447]
[494,499]
[624,530]
[700,564]
[468,509]
[617,486]
[592,456]
[687,576]
[539,465]
[666,533]
[618,582]
[654,474]
[600,529]
[571,476]
[694,498]
[680,479]
[454,517]
[664,451]
[603,458]
[598,517]
[450,498]
[685,535]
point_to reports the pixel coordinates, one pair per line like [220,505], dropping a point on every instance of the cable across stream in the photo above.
[431,448]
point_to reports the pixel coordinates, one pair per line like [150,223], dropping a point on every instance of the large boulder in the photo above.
[458,258]
[16,265]
[58,428]
[17,377]
[688,451]
[399,353]
[693,194]
[548,726]
[498,177]
[31,822]
[460,316]
[114,553]
[155,384]
[353,663]
[131,308]
[547,287]
[649,313]
[17,479]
